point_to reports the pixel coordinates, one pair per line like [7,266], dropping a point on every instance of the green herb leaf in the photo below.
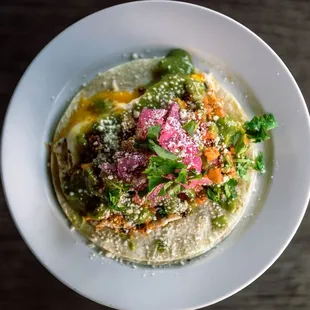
[238,141]
[159,167]
[214,194]
[224,194]
[244,164]
[161,152]
[114,196]
[164,188]
[161,192]
[190,127]
[243,169]
[230,189]
[154,181]
[257,128]
[259,163]
[153,132]
[174,189]
[182,176]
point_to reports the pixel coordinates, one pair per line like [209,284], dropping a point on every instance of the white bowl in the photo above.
[260,81]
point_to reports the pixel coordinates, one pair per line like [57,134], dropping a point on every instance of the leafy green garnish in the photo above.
[113,193]
[153,132]
[257,128]
[154,181]
[219,222]
[230,189]
[259,163]
[171,188]
[244,164]
[161,152]
[238,141]
[114,196]
[159,167]
[190,127]
[182,176]
[224,194]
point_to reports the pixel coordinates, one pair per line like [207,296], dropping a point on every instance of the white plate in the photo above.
[98,42]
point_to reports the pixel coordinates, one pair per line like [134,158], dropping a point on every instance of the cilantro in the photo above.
[113,193]
[238,141]
[182,175]
[153,132]
[257,128]
[230,189]
[158,166]
[243,168]
[245,164]
[161,152]
[154,181]
[114,196]
[190,127]
[225,194]
[142,145]
[214,194]
[171,188]
[259,163]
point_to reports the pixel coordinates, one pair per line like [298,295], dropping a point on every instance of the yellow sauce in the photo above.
[85,113]
[198,77]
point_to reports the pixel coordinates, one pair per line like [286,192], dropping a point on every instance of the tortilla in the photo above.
[185,238]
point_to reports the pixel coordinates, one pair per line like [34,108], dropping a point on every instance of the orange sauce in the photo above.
[84,111]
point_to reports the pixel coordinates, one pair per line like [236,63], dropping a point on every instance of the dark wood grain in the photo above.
[26,27]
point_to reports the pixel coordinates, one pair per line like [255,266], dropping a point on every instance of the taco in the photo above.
[154,161]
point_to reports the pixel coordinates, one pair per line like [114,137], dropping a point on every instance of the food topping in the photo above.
[171,151]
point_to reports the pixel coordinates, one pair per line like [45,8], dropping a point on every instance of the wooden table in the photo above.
[26,26]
